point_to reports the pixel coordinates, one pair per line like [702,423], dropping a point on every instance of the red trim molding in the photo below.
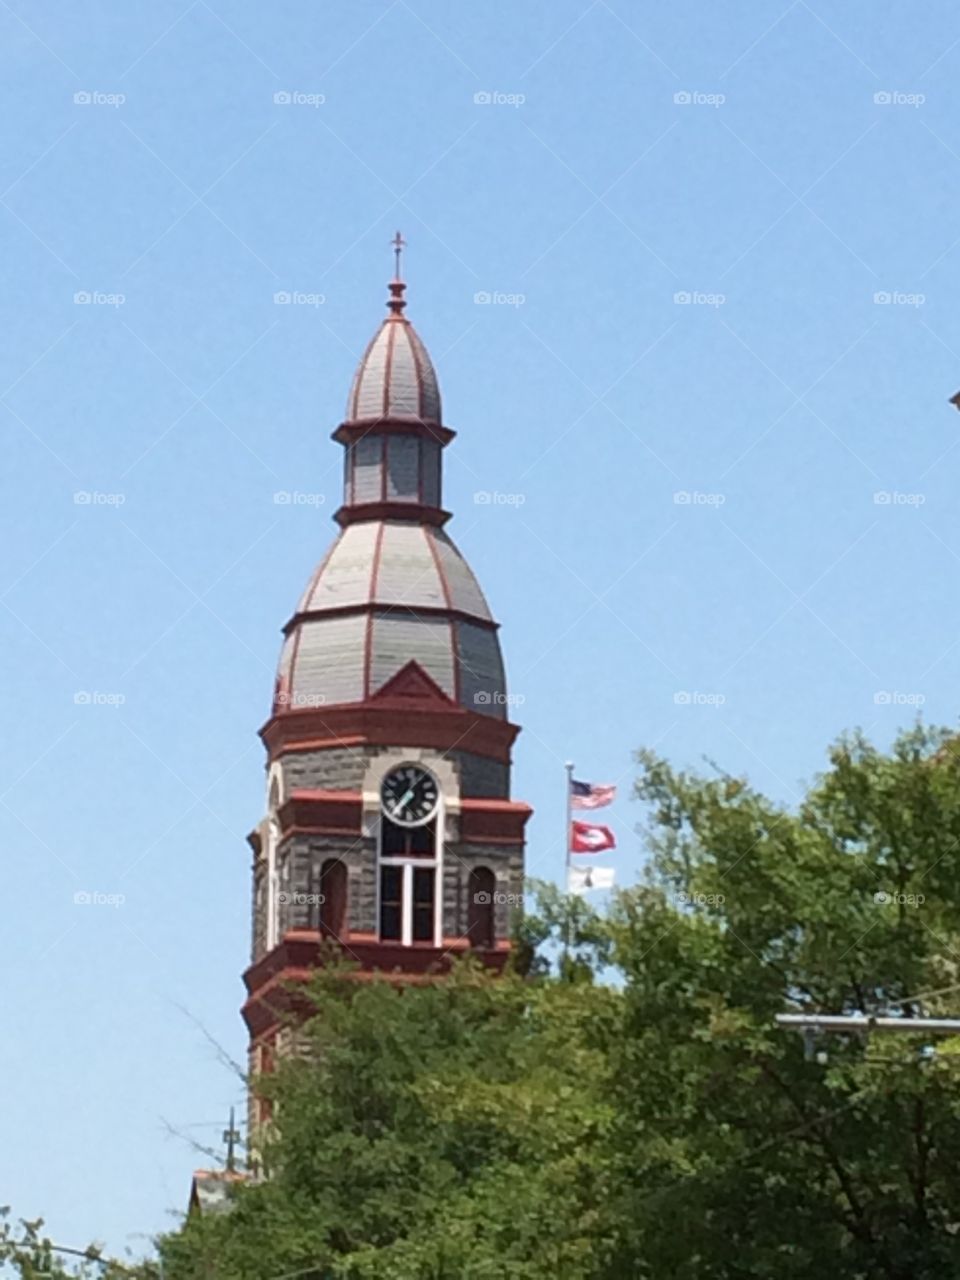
[485,821]
[390,509]
[272,981]
[391,610]
[386,722]
[313,812]
[348,432]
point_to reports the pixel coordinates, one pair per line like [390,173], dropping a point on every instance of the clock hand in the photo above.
[403,801]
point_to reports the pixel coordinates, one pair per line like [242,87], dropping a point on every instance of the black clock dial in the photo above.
[409,795]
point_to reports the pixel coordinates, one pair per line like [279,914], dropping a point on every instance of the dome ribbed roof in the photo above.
[387,594]
[396,377]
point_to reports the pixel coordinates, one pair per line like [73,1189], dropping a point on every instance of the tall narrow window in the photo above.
[481,890]
[391,903]
[333,898]
[424,905]
[410,868]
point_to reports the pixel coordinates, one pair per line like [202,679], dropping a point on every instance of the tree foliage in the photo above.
[622,1103]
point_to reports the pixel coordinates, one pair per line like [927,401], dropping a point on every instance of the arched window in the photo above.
[481,890]
[333,898]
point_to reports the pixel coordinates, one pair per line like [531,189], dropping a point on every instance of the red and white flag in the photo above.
[590,837]
[591,795]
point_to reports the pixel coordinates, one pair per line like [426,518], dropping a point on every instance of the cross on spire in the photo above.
[396,302]
[399,244]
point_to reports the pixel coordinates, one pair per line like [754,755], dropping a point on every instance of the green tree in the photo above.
[621,1105]
[739,1154]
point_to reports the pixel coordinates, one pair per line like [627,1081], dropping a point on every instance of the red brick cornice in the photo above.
[388,722]
[272,981]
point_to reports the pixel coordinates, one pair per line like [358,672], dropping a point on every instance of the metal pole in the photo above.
[567,833]
[841,1022]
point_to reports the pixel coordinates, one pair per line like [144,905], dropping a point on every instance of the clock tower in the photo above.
[389,829]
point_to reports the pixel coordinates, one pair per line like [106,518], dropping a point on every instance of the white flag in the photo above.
[583,879]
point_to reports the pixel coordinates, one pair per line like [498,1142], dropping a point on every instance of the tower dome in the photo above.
[396,377]
[393,610]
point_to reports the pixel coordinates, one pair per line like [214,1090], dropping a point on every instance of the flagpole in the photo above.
[567,833]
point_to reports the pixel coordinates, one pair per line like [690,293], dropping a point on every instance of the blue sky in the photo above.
[785,167]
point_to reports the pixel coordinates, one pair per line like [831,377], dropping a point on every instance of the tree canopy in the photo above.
[627,1107]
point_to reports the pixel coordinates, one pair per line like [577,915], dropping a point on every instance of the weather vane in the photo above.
[399,244]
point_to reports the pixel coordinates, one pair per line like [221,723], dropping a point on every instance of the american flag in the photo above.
[591,795]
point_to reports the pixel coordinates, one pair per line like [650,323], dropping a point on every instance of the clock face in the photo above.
[409,795]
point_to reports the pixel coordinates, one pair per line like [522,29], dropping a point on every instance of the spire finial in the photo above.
[399,244]
[397,286]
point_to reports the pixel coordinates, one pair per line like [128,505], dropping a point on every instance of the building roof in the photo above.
[395,377]
[393,609]
[389,593]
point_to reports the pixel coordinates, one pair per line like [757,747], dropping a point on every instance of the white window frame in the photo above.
[408,864]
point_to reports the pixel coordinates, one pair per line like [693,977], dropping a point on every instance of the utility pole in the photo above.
[231,1137]
[812,1024]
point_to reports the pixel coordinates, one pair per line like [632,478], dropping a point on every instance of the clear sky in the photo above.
[782,165]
